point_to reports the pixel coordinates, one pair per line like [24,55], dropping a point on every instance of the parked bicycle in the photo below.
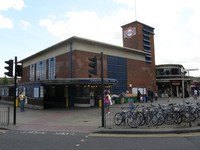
[128,116]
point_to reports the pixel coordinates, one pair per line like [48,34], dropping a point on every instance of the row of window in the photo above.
[147,43]
[38,71]
[168,71]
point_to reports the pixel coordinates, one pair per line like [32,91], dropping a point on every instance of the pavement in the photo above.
[88,120]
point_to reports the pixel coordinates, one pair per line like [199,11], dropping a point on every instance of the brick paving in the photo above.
[75,119]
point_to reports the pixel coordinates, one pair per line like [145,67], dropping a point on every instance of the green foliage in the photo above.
[5,81]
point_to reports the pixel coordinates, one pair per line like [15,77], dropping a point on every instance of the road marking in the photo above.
[3,131]
[33,132]
[64,133]
[147,135]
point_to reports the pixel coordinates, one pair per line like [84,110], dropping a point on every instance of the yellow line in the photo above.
[147,135]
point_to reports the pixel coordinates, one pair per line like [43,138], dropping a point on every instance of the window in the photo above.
[117,69]
[148,58]
[160,72]
[175,71]
[52,68]
[41,70]
[32,68]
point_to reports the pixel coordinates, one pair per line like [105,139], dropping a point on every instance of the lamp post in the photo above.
[103,121]
[183,72]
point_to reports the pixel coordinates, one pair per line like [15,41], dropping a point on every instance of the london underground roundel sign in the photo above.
[129,32]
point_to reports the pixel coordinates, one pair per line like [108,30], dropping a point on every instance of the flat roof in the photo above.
[84,40]
[73,81]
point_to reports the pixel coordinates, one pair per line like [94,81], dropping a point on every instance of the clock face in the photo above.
[129,32]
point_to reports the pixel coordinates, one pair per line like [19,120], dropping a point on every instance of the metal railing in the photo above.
[4,116]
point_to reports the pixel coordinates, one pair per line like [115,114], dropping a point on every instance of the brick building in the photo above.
[58,75]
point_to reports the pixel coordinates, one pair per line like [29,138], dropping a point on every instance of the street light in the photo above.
[188,70]
[183,72]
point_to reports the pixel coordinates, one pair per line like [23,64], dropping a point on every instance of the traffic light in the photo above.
[19,70]
[93,65]
[9,68]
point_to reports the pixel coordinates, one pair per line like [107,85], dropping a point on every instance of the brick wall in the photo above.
[141,74]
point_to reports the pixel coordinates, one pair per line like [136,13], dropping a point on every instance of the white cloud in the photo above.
[9,4]
[175,21]
[5,23]
[25,24]
[83,24]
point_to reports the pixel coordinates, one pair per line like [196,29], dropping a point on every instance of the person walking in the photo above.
[169,97]
[22,98]
[138,96]
[195,93]
[107,102]
[156,96]
[150,95]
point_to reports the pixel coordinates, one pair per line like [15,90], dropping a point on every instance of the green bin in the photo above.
[126,99]
[134,99]
[117,100]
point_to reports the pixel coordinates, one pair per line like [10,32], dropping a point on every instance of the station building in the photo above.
[171,78]
[58,75]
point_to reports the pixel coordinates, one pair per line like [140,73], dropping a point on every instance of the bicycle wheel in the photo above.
[169,119]
[189,117]
[118,119]
[198,113]
[153,120]
[161,119]
[142,118]
[133,121]
[177,118]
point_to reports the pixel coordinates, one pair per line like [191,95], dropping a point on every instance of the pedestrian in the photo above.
[195,93]
[156,96]
[22,99]
[138,96]
[150,95]
[121,96]
[107,102]
[169,97]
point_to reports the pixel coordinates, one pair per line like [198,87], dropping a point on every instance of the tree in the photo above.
[6,81]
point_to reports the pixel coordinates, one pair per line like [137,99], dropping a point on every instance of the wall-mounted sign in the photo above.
[129,32]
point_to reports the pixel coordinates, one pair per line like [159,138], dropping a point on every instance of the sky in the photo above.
[29,26]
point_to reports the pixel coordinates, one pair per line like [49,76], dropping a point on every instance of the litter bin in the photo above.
[135,99]
[100,103]
[17,103]
[126,99]
[117,100]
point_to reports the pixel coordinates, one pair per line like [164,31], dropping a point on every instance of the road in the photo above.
[36,140]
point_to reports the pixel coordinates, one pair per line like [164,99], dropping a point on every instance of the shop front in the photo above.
[65,93]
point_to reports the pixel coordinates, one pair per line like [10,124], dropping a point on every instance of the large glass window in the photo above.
[159,72]
[52,68]
[117,69]
[168,71]
[32,71]
[41,70]
[175,71]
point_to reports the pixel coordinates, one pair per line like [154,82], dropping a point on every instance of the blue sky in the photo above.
[29,26]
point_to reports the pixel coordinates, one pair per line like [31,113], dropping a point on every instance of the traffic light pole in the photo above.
[102,93]
[15,87]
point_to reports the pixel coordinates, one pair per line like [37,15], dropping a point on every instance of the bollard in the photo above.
[147,117]
[190,124]
[100,103]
